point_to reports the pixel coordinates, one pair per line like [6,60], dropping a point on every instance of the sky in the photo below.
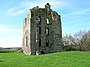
[75,16]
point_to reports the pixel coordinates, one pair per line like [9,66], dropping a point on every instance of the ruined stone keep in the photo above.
[42,31]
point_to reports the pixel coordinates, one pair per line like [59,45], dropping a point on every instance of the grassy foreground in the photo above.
[60,59]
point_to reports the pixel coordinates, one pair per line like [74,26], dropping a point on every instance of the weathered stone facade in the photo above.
[42,31]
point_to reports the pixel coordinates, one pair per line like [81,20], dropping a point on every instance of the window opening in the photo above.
[39,19]
[26,41]
[47,31]
[47,21]
[47,43]
[39,30]
[39,42]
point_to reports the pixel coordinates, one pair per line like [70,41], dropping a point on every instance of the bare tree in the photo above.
[86,40]
[80,40]
[68,42]
[67,39]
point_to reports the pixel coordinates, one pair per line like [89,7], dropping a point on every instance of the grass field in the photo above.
[60,59]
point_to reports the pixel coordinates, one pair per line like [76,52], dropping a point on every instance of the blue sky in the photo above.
[75,16]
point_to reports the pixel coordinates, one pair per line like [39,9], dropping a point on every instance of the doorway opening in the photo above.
[42,52]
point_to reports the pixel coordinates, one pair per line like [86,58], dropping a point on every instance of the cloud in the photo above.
[8,29]
[11,41]
[85,11]
[10,36]
[23,6]
[41,3]
[14,11]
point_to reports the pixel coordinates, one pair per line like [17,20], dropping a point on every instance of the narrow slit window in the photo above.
[39,30]
[26,41]
[39,19]
[46,43]
[47,21]
[39,42]
[47,31]
[25,21]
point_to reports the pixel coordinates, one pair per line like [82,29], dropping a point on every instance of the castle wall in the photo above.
[42,31]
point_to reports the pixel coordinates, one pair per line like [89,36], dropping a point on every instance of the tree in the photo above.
[68,42]
[86,39]
[80,40]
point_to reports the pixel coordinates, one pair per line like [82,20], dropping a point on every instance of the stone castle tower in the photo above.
[42,31]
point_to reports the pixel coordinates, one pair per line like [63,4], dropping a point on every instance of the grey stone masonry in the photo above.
[42,31]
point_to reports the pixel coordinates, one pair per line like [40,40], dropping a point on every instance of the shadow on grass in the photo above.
[1,61]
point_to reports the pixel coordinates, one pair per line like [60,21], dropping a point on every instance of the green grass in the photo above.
[60,59]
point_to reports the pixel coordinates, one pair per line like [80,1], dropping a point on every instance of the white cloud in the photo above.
[41,3]
[26,5]
[14,11]
[8,29]
[10,36]
[11,41]
[85,11]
